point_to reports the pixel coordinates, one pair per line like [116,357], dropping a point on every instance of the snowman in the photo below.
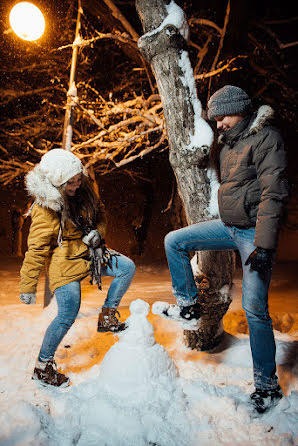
[137,397]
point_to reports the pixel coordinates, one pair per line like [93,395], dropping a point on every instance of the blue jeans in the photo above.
[215,235]
[69,301]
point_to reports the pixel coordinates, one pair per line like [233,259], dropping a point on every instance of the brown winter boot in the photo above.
[107,321]
[48,374]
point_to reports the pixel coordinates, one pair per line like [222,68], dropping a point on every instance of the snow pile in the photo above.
[146,389]
[136,395]
[144,364]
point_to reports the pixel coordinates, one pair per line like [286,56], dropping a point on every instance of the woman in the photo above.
[66,235]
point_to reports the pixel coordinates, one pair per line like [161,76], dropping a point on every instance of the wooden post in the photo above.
[68,119]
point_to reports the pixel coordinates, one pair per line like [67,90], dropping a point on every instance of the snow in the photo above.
[176,17]
[73,92]
[143,387]
[203,134]
[214,185]
[78,40]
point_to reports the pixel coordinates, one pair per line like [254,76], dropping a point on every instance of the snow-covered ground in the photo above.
[143,387]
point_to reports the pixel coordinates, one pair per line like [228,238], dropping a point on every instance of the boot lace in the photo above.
[113,313]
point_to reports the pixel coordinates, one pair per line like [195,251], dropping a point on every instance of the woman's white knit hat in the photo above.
[56,167]
[228,100]
[59,165]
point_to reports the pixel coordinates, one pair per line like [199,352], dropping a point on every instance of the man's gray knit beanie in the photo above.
[228,100]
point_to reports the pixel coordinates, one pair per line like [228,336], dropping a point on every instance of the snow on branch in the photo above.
[121,37]
[119,134]
[128,130]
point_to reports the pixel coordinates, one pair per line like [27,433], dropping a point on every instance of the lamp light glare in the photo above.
[27,21]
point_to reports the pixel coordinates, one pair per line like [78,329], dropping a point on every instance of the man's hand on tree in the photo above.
[260,260]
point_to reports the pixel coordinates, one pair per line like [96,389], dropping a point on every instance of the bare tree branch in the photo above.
[119,16]
[224,67]
[220,45]
[197,21]
[281,45]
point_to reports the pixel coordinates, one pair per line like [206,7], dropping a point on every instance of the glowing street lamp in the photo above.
[27,21]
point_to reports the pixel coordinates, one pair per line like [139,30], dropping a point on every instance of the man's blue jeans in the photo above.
[215,235]
[69,301]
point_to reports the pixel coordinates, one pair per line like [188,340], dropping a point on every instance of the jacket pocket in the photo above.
[72,249]
[232,207]
[69,269]
[251,203]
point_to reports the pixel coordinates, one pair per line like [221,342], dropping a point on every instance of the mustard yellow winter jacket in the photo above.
[65,263]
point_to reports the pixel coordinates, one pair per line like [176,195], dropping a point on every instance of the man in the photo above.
[252,197]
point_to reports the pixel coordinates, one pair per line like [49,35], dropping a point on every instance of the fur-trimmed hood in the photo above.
[42,190]
[44,182]
[248,126]
[262,118]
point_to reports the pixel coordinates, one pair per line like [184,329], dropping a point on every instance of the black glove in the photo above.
[260,260]
[92,239]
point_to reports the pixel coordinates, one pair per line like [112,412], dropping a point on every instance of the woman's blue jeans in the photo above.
[215,235]
[69,301]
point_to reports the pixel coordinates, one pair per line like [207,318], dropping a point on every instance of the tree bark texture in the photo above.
[164,45]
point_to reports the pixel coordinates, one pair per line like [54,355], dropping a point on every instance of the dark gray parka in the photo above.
[254,187]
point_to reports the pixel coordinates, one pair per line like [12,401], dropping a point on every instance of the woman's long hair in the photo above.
[84,209]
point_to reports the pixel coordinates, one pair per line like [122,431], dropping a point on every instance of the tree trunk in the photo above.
[190,138]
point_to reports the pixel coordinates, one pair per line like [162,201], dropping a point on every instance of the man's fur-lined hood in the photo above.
[263,117]
[256,123]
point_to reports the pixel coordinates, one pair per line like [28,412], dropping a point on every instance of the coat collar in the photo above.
[248,126]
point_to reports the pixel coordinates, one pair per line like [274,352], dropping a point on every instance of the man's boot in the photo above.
[47,373]
[107,321]
[188,316]
[263,400]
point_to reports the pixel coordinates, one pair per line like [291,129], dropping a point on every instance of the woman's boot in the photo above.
[107,321]
[47,373]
